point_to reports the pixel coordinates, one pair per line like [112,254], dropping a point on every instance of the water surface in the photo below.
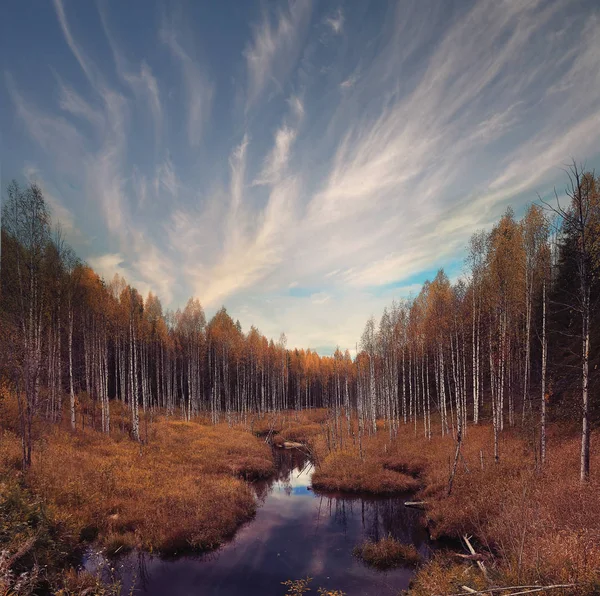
[296,533]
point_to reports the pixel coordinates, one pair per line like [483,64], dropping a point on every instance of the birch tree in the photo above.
[580,221]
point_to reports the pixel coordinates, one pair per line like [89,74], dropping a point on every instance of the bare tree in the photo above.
[579,223]
[27,222]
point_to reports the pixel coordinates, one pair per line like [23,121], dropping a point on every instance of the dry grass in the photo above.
[535,525]
[400,463]
[185,489]
[304,426]
[339,466]
[541,526]
[181,491]
[386,553]
[443,575]
[342,471]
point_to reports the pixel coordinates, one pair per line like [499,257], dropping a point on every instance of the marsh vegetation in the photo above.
[139,430]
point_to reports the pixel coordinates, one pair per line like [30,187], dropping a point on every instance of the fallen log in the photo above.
[415,504]
[292,445]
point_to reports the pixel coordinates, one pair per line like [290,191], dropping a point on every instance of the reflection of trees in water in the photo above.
[134,571]
[355,517]
[143,573]
[287,463]
[379,518]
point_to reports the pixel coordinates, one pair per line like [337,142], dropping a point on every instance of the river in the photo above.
[296,533]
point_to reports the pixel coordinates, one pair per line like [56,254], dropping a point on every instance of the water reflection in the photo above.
[296,532]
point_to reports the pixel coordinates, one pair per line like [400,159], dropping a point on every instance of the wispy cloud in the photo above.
[199,90]
[72,102]
[60,213]
[96,166]
[86,65]
[274,48]
[350,81]
[320,298]
[336,21]
[143,83]
[276,162]
[399,165]
[166,179]
[362,150]
[297,106]
[253,243]
[54,134]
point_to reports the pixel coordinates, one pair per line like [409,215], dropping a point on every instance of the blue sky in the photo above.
[302,163]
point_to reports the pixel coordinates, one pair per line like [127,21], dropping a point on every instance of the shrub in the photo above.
[386,553]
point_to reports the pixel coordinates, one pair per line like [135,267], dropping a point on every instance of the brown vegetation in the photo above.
[302,426]
[386,553]
[298,587]
[442,575]
[533,524]
[183,490]
[343,471]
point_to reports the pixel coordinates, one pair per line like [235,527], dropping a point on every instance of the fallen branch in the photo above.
[541,589]
[22,551]
[480,564]
[475,557]
[522,590]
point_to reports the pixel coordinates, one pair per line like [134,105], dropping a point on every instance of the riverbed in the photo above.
[296,533]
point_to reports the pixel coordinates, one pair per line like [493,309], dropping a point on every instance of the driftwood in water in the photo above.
[290,445]
[415,504]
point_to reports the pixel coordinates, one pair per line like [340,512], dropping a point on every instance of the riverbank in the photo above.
[185,489]
[530,524]
[296,533]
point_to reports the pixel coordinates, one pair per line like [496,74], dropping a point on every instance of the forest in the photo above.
[498,365]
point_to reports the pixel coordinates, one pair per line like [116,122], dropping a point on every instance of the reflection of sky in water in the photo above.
[295,533]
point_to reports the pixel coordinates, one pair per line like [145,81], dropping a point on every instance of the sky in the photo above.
[301,163]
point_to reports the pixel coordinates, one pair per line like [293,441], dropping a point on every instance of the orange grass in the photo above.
[184,489]
[536,525]
[341,471]
[181,491]
[386,553]
[542,525]
[443,575]
[302,426]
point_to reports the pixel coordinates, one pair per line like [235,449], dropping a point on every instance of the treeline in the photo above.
[509,340]
[70,333]
[502,343]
